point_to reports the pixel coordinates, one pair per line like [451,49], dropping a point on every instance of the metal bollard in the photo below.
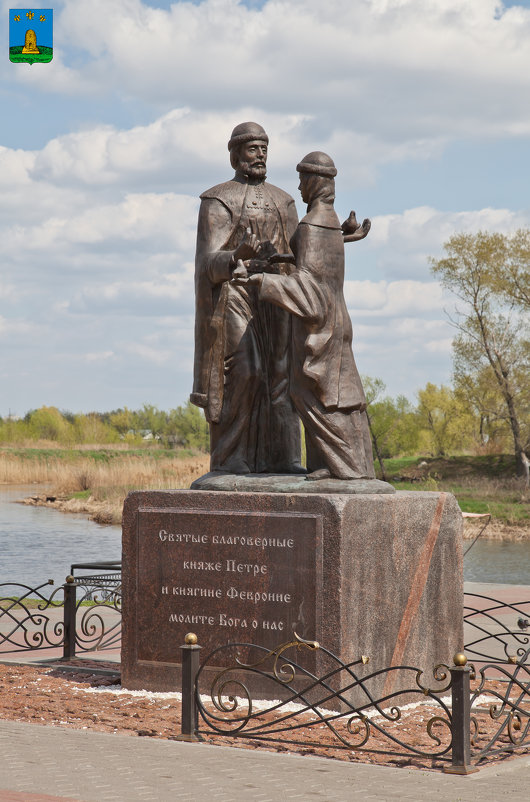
[461,718]
[190,667]
[70,603]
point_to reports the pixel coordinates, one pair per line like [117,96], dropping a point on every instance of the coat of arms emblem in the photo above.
[30,35]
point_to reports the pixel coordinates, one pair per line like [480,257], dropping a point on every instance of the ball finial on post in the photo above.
[460,659]
[190,639]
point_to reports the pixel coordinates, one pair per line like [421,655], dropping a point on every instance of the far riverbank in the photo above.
[39,544]
[95,482]
[110,513]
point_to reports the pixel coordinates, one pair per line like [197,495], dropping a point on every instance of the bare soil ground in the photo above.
[52,697]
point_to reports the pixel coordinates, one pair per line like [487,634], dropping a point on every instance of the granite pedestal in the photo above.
[375,574]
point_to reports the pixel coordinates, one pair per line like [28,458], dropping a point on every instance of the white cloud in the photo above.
[402,244]
[418,328]
[420,225]
[391,298]
[180,146]
[398,78]
[99,356]
[56,77]
[7,291]
[14,329]
[374,83]
[150,353]
[164,295]
[156,223]
[442,346]
[97,227]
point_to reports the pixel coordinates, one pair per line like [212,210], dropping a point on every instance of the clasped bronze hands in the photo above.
[253,257]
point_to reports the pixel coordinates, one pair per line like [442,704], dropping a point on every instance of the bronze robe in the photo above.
[242,346]
[325,384]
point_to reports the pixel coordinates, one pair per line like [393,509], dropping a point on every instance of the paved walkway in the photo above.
[97,767]
[50,764]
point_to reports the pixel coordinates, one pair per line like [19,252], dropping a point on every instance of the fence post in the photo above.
[190,667]
[70,603]
[461,718]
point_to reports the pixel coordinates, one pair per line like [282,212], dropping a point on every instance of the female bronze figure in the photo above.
[325,385]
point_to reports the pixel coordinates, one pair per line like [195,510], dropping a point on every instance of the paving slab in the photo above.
[99,767]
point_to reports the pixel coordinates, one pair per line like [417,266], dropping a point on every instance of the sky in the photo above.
[422,104]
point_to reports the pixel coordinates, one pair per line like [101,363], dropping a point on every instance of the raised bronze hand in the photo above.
[352,231]
[248,247]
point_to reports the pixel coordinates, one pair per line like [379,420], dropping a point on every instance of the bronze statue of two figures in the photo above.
[273,338]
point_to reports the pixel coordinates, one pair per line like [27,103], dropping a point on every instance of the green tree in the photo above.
[123,420]
[151,420]
[447,422]
[393,425]
[488,273]
[14,430]
[91,429]
[480,393]
[47,423]
[512,278]
[187,426]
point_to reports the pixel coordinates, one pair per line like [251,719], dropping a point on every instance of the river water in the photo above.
[37,544]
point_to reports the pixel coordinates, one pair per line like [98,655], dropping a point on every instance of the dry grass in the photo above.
[132,472]
[54,445]
[102,485]
[495,530]
[17,472]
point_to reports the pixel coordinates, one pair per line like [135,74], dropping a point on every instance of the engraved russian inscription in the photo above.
[229,576]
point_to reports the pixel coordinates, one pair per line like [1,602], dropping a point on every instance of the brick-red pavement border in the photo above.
[22,796]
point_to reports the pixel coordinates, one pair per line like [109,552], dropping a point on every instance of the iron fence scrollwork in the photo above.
[82,615]
[498,643]
[103,583]
[496,630]
[504,694]
[340,705]
[29,619]
[92,620]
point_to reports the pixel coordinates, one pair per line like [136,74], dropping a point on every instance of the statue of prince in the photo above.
[242,344]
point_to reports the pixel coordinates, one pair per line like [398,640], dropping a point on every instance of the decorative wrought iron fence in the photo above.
[345,706]
[502,696]
[92,621]
[108,576]
[82,615]
[29,619]
[496,631]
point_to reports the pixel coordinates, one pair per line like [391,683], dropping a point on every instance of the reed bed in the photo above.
[84,473]
[132,473]
[99,488]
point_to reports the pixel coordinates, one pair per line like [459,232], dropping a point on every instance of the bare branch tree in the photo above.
[487,273]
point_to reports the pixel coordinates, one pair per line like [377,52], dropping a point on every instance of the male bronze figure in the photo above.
[242,348]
